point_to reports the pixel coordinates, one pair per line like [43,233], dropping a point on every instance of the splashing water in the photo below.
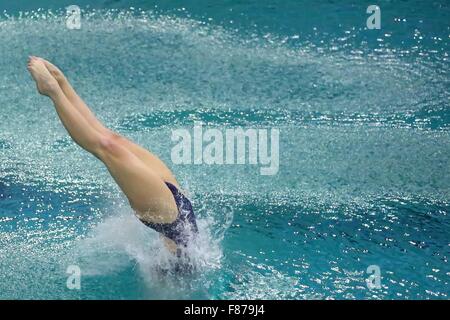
[364,158]
[122,239]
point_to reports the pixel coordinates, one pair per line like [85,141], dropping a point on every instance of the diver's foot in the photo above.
[54,71]
[45,82]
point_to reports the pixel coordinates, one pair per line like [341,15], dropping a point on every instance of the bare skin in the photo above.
[139,173]
[144,155]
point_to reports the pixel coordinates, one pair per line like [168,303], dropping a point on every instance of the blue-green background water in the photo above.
[364,148]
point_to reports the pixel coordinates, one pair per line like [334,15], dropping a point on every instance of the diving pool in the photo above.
[364,122]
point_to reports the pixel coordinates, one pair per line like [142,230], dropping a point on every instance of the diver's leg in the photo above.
[148,158]
[73,97]
[145,190]
[80,131]
[143,154]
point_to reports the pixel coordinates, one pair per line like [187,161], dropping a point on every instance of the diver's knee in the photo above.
[108,145]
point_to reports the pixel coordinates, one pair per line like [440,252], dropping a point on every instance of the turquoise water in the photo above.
[364,148]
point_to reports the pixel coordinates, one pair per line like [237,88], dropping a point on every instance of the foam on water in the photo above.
[121,239]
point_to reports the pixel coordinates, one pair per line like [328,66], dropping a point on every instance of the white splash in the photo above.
[121,240]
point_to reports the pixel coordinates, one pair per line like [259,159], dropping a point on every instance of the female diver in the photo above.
[151,188]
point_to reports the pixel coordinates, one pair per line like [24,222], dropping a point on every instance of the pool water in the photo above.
[364,122]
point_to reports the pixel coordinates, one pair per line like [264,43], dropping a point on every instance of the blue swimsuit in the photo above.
[182,229]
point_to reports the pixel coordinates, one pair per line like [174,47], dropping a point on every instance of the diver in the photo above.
[150,187]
